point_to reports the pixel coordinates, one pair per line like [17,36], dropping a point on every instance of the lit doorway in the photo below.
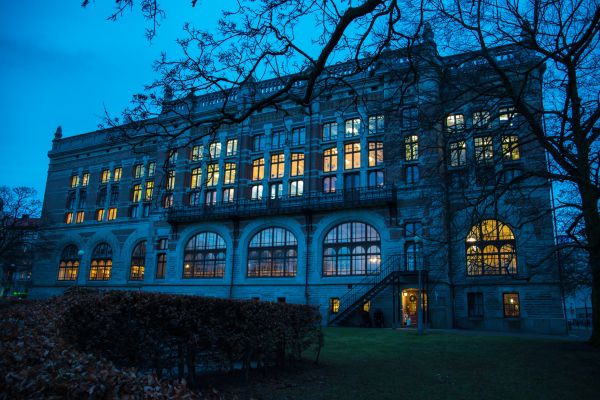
[410,313]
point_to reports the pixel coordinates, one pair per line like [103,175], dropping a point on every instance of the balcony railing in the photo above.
[364,197]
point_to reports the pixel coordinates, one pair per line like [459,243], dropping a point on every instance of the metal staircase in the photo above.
[369,287]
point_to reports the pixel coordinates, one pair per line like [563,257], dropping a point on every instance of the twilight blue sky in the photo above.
[61,65]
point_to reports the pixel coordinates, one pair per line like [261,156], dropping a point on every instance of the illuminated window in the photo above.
[69,218]
[375,154]
[351,155]
[376,124]
[68,266]
[149,190]
[170,180]
[195,199]
[232,147]
[214,150]
[278,140]
[298,136]
[161,265]
[510,147]
[412,261]
[277,165]
[330,131]
[151,168]
[168,200]
[256,192]
[334,305]
[330,159]
[136,193]
[228,195]
[352,127]
[112,213]
[82,199]
[490,248]
[197,153]
[481,119]
[71,200]
[204,256]
[484,150]
[273,252]
[138,262]
[507,115]
[410,118]
[105,176]
[366,306]
[196,178]
[210,197]
[512,306]
[212,172]
[376,178]
[100,214]
[351,248]
[458,154]
[114,195]
[329,183]
[475,305]
[276,190]
[455,123]
[411,148]
[258,142]
[296,188]
[85,180]
[74,181]
[101,263]
[117,174]
[172,157]
[412,174]
[80,217]
[258,169]
[297,164]
[138,171]
[229,177]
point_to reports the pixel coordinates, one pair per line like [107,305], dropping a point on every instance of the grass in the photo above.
[389,364]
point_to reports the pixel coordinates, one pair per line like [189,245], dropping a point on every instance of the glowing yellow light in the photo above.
[404,294]
[471,239]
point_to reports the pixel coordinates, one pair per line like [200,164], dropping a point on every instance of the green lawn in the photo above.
[388,364]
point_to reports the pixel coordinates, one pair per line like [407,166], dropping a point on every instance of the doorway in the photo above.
[410,313]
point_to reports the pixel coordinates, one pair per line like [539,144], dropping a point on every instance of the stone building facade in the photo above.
[351,204]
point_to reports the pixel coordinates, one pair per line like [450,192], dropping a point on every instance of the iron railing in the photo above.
[310,201]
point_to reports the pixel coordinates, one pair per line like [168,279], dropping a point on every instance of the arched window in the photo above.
[68,266]
[204,256]
[273,252]
[101,263]
[490,248]
[352,248]
[138,262]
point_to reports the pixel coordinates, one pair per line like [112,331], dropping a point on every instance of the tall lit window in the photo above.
[297,164]
[112,213]
[376,124]
[352,127]
[228,195]
[298,136]
[458,153]
[229,177]
[118,171]
[69,218]
[481,119]
[375,178]
[212,172]
[273,252]
[80,217]
[510,147]
[204,256]
[278,140]
[329,183]
[276,190]
[455,123]
[100,214]
[375,154]
[68,266]
[410,117]
[258,142]
[296,188]
[138,171]
[256,192]
[214,150]
[101,263]
[74,181]
[196,178]
[507,115]
[197,153]
[105,176]
[151,168]
[491,249]
[411,148]
[512,305]
[330,131]
[136,193]
[232,147]
[138,262]
[352,248]
[258,169]
[277,165]
[171,180]
[330,159]
[334,305]
[352,155]
[85,179]
[149,190]
[484,150]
